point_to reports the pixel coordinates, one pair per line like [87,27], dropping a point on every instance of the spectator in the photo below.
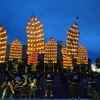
[75,79]
[8,87]
[18,84]
[32,85]
[49,76]
[64,78]
[38,78]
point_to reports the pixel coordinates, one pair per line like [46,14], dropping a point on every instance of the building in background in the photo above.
[3,44]
[35,39]
[82,55]
[15,50]
[50,53]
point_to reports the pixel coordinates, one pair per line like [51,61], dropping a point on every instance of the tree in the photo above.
[15,64]
[33,67]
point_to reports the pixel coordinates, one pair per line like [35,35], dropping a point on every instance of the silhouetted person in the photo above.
[75,79]
[38,78]
[64,78]
[32,85]
[18,84]
[49,76]
[8,87]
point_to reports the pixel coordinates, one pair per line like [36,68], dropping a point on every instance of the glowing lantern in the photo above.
[35,38]
[3,45]
[50,51]
[82,55]
[70,50]
[15,50]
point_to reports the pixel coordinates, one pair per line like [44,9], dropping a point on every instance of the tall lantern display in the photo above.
[64,52]
[35,39]
[3,44]
[67,61]
[15,50]
[50,51]
[72,46]
[33,58]
[82,55]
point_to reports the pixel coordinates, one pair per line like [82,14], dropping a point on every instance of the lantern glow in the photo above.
[15,50]
[70,51]
[3,45]
[82,55]
[35,39]
[50,51]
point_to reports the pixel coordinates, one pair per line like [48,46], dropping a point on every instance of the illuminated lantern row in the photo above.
[82,55]
[67,61]
[33,58]
[3,45]
[50,51]
[72,41]
[35,36]
[15,50]
[72,46]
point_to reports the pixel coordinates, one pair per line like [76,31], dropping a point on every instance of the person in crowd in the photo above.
[64,78]
[90,79]
[24,92]
[98,85]
[75,79]
[38,78]
[84,78]
[32,85]
[49,76]
[8,87]
[18,84]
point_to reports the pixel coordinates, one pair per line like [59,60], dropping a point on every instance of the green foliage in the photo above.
[15,65]
[33,67]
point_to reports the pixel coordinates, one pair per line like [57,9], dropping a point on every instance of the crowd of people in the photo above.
[89,80]
[19,84]
[24,85]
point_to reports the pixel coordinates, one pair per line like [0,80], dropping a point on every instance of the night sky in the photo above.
[57,16]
